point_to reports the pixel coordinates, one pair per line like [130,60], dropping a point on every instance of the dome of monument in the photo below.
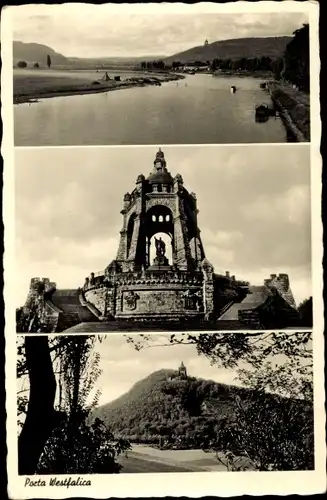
[160,177]
[160,174]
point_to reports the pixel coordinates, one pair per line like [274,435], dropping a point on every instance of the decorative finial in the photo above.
[159,154]
[160,162]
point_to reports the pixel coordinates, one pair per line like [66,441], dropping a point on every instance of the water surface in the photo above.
[198,110]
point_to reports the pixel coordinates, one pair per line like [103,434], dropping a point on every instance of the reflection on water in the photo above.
[198,110]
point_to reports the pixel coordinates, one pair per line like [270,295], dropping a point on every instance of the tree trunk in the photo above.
[40,413]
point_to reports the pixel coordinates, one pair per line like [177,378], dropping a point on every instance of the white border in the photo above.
[175,484]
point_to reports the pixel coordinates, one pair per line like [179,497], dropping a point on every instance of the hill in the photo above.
[273,47]
[190,413]
[36,53]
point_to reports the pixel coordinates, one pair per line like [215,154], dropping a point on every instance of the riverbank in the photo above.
[31,86]
[266,75]
[294,108]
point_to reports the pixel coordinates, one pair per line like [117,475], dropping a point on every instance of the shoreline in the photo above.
[82,90]
[294,114]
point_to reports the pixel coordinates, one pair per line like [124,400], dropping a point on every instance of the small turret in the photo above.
[182,372]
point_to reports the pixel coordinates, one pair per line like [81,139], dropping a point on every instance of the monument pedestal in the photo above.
[160,263]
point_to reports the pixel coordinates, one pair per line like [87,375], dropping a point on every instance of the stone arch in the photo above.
[169,248]
[159,218]
[159,222]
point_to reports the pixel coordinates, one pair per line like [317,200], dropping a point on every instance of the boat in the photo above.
[262,109]
[265,110]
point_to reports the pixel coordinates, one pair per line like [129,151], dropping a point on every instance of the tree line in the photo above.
[36,65]
[292,66]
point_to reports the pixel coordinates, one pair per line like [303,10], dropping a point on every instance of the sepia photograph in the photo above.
[186,76]
[163,253]
[195,238]
[214,402]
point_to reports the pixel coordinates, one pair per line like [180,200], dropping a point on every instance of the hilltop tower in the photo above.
[206,42]
[182,372]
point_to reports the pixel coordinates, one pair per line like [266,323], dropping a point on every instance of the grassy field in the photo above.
[144,458]
[35,84]
[29,84]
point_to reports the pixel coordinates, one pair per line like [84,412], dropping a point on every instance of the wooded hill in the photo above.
[273,47]
[174,412]
[33,53]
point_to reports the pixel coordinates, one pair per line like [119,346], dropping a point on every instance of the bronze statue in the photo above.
[160,247]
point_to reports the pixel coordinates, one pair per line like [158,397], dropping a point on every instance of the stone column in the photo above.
[208,290]
[135,239]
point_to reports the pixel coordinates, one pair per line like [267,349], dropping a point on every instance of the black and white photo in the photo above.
[166,403]
[184,76]
[139,239]
[163,250]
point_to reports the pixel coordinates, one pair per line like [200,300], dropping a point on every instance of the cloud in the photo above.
[99,31]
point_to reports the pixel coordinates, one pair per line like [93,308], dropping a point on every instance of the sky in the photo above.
[100,31]
[253,201]
[122,364]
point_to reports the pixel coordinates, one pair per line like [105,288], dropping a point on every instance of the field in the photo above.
[32,84]
[144,459]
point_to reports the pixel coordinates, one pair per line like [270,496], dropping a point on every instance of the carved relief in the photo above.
[130,300]
[193,300]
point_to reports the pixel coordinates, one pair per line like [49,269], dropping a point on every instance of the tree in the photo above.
[61,438]
[22,64]
[36,65]
[40,417]
[48,61]
[296,58]
[306,312]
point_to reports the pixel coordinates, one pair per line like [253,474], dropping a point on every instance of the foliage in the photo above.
[48,61]
[75,445]
[153,65]
[273,435]
[251,64]
[80,448]
[22,64]
[306,312]
[36,65]
[296,58]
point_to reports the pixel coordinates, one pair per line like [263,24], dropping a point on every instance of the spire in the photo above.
[160,162]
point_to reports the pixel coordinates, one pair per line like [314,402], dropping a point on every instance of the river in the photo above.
[197,110]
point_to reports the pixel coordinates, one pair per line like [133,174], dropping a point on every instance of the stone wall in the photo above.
[250,318]
[282,284]
[98,298]
[155,301]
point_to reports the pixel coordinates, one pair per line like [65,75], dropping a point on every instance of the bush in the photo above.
[22,64]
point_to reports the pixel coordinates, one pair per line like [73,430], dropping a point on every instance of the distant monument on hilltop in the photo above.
[152,281]
[206,43]
[182,372]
